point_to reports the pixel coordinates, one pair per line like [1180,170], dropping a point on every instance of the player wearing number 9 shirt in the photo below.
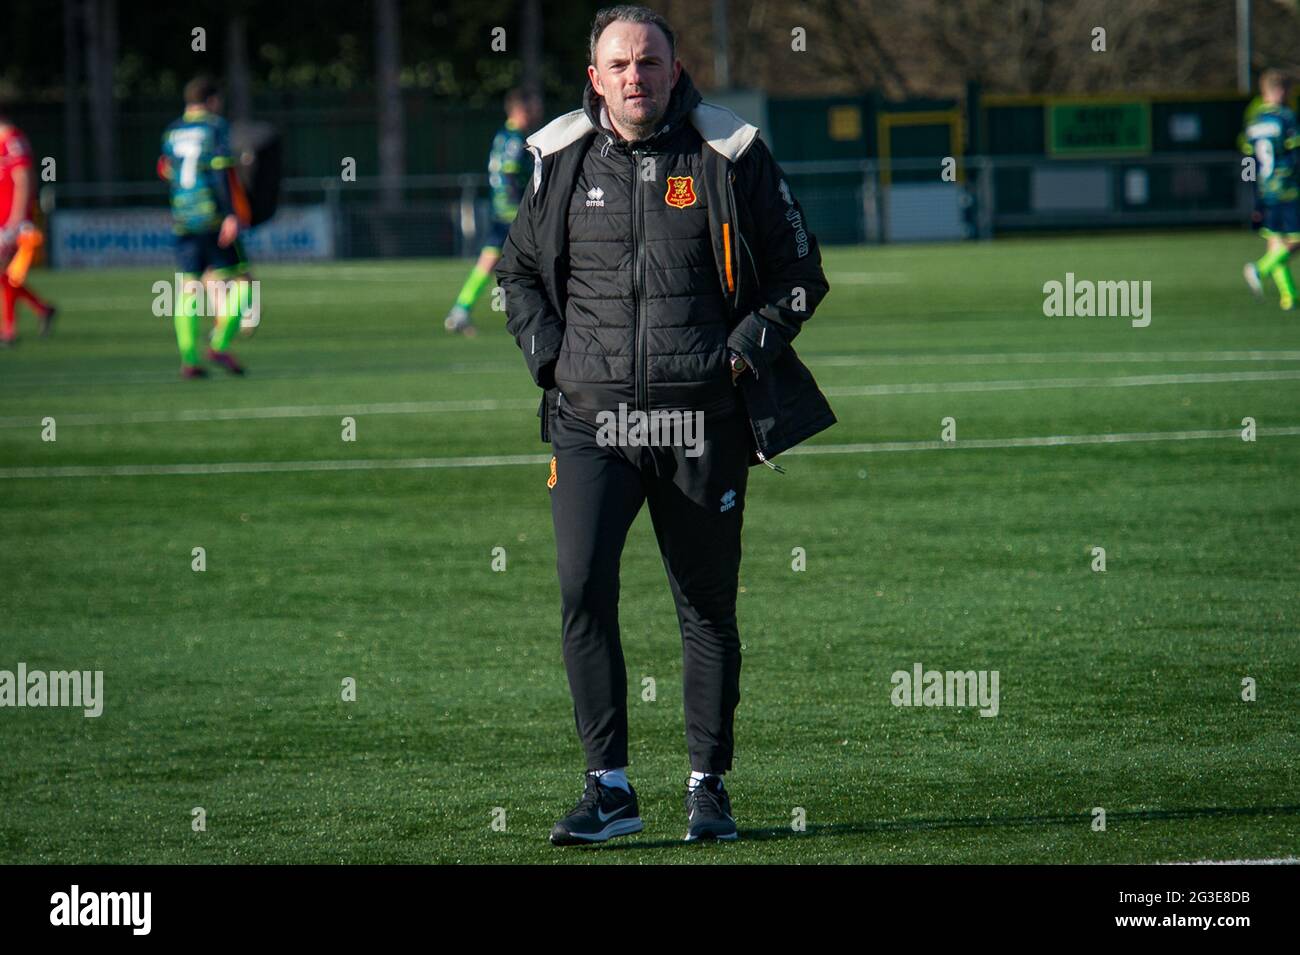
[1272,139]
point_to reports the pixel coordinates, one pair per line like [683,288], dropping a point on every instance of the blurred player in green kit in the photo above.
[1272,138]
[509,167]
[208,206]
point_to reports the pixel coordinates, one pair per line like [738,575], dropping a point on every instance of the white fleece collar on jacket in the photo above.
[724,131]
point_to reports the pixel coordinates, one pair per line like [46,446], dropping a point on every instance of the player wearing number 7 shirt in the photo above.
[208,209]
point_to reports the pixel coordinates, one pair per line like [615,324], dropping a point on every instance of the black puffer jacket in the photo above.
[632,268]
[646,321]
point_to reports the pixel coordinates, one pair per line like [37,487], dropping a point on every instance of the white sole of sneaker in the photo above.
[619,827]
[727,838]
[1251,276]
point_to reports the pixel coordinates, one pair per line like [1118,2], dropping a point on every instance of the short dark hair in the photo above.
[200,90]
[1273,79]
[630,14]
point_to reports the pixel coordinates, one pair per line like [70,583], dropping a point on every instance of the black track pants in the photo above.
[696,505]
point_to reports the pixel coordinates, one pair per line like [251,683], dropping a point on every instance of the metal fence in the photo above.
[846,202]
[871,201]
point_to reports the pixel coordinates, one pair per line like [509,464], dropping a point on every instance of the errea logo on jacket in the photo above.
[595,197]
[795,219]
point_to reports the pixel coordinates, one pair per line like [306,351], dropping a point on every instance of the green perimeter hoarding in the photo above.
[1098,129]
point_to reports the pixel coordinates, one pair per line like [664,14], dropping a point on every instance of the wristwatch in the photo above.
[738,363]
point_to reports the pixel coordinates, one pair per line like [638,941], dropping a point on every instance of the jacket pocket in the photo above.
[545,411]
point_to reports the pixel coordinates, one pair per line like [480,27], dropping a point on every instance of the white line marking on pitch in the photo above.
[45,379]
[870,278]
[132,303]
[281,411]
[1051,358]
[1286,860]
[491,404]
[80,379]
[504,460]
[1049,441]
[270,467]
[1037,384]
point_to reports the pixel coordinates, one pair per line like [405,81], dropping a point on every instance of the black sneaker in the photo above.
[602,813]
[708,811]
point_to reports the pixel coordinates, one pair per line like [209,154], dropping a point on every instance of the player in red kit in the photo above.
[17,206]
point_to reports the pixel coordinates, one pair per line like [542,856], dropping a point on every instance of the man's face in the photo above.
[213,104]
[635,73]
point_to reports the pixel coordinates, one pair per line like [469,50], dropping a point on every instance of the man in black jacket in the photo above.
[654,278]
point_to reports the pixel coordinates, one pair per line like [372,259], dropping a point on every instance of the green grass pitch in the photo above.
[1120,690]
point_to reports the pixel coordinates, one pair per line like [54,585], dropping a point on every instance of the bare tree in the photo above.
[531,43]
[935,47]
[392,126]
[1276,36]
[101,58]
[238,81]
[73,168]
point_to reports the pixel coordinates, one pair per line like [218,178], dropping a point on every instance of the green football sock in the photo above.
[186,320]
[1285,284]
[469,292]
[1271,260]
[228,324]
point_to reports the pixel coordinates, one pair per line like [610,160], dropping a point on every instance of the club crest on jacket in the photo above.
[681,191]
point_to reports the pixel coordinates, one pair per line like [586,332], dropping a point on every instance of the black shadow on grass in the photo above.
[980,822]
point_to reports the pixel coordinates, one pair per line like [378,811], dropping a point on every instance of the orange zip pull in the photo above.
[726,254]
